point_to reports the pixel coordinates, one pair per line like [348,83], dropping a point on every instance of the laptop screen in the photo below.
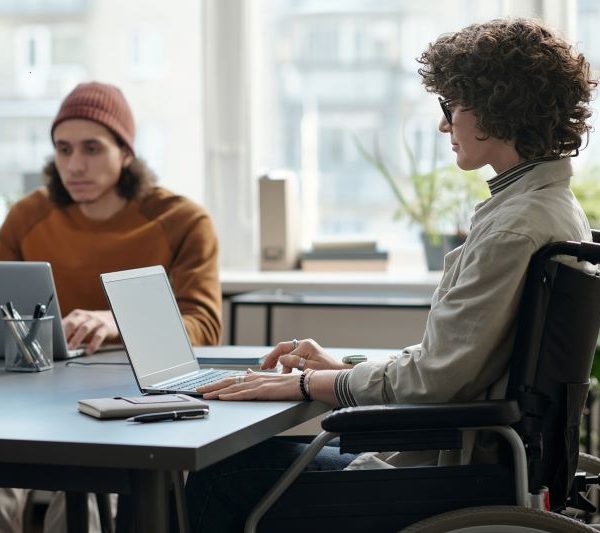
[149,322]
[25,284]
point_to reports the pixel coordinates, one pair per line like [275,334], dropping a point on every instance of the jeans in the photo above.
[220,497]
[12,504]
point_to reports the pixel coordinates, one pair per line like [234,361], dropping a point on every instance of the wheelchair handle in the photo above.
[583,251]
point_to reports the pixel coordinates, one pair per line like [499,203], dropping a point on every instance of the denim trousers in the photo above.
[220,497]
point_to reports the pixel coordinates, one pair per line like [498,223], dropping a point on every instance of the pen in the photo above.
[31,340]
[37,311]
[170,415]
[13,324]
[29,343]
[22,348]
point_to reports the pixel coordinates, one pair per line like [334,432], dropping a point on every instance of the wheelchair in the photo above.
[533,484]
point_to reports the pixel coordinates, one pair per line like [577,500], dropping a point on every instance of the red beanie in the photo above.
[102,103]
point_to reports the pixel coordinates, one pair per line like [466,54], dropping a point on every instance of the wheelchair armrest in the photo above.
[398,417]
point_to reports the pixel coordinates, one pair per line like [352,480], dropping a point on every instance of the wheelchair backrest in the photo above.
[556,338]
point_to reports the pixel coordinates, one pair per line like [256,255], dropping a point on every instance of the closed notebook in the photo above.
[120,407]
[230,361]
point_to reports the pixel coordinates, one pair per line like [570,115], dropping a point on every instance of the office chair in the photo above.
[538,422]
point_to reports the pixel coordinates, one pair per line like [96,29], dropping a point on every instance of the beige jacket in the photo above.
[470,330]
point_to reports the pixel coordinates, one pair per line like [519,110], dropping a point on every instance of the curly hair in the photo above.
[134,182]
[522,81]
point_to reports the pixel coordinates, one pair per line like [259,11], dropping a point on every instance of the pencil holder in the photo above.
[28,344]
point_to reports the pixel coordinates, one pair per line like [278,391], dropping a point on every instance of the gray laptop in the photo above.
[153,333]
[27,283]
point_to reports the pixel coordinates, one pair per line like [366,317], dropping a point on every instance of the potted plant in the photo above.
[438,200]
[586,189]
[460,190]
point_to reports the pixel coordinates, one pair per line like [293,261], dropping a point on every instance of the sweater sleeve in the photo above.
[193,270]
[195,278]
[9,238]
[464,349]
[23,216]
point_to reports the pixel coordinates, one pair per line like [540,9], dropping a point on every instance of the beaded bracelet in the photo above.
[303,389]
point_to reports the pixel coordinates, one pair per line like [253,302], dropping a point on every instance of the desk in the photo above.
[46,444]
[274,298]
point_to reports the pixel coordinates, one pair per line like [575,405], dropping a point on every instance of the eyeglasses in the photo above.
[444,104]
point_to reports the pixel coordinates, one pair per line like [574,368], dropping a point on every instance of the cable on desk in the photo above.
[68,363]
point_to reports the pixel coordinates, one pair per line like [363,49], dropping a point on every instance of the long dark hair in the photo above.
[135,181]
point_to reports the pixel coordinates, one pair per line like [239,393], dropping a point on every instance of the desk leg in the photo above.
[105,512]
[232,322]
[124,522]
[180,503]
[269,325]
[150,497]
[77,512]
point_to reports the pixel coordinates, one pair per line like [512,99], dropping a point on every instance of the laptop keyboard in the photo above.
[203,379]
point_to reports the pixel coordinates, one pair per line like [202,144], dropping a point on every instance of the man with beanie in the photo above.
[100,211]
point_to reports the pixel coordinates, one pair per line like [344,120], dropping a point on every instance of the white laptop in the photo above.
[153,333]
[25,284]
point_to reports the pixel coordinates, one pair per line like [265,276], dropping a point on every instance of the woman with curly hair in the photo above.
[514,96]
[521,83]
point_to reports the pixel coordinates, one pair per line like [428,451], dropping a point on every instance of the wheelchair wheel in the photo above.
[498,519]
[588,463]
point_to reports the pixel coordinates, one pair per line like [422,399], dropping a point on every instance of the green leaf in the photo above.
[436,200]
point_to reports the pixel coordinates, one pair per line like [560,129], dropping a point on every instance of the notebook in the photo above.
[123,407]
[153,333]
[229,360]
[27,283]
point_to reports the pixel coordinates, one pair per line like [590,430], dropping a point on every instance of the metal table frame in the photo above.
[270,299]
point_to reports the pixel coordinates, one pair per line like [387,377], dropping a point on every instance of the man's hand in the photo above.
[307,354]
[92,326]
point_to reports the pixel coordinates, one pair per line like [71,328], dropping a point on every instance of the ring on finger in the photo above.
[294,344]
[240,379]
[301,364]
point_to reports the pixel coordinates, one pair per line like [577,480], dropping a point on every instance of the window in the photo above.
[147,53]
[223,90]
[32,59]
[588,41]
[341,70]
[148,48]
[67,45]
[348,68]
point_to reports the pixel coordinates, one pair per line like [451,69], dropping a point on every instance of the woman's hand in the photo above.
[301,355]
[254,386]
[92,326]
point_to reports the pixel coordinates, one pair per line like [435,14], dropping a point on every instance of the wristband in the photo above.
[309,374]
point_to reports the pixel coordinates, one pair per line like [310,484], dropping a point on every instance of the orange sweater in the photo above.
[160,229]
